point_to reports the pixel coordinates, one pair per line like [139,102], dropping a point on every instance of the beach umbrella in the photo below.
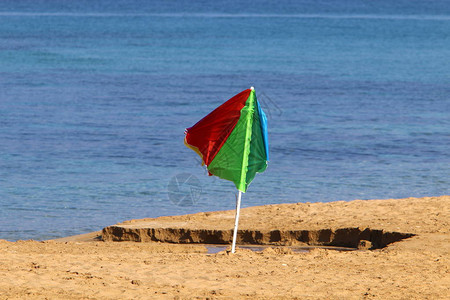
[232,142]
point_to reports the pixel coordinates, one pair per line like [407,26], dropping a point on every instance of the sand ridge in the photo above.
[389,214]
[342,224]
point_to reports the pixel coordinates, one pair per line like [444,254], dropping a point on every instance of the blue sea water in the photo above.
[95,97]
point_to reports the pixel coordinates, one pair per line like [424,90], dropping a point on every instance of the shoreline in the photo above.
[81,266]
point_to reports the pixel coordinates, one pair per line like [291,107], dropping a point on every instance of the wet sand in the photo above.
[83,267]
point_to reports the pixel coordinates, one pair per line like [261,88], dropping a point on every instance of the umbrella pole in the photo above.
[236,221]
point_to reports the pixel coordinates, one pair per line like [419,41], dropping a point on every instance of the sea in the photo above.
[95,97]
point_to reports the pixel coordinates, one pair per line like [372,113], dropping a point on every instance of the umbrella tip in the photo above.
[252,88]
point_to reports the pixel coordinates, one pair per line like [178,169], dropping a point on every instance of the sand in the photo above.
[85,268]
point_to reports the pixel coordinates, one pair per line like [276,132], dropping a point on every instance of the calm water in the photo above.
[95,97]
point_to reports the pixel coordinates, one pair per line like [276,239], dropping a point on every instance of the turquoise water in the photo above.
[95,97]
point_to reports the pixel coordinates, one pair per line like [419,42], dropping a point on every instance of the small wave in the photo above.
[229,15]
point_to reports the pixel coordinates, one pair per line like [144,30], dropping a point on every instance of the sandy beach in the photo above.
[414,267]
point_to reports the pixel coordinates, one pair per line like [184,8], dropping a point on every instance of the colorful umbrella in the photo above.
[232,142]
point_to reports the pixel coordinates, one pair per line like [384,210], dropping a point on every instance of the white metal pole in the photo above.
[236,222]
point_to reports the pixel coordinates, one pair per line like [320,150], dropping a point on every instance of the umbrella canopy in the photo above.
[232,140]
